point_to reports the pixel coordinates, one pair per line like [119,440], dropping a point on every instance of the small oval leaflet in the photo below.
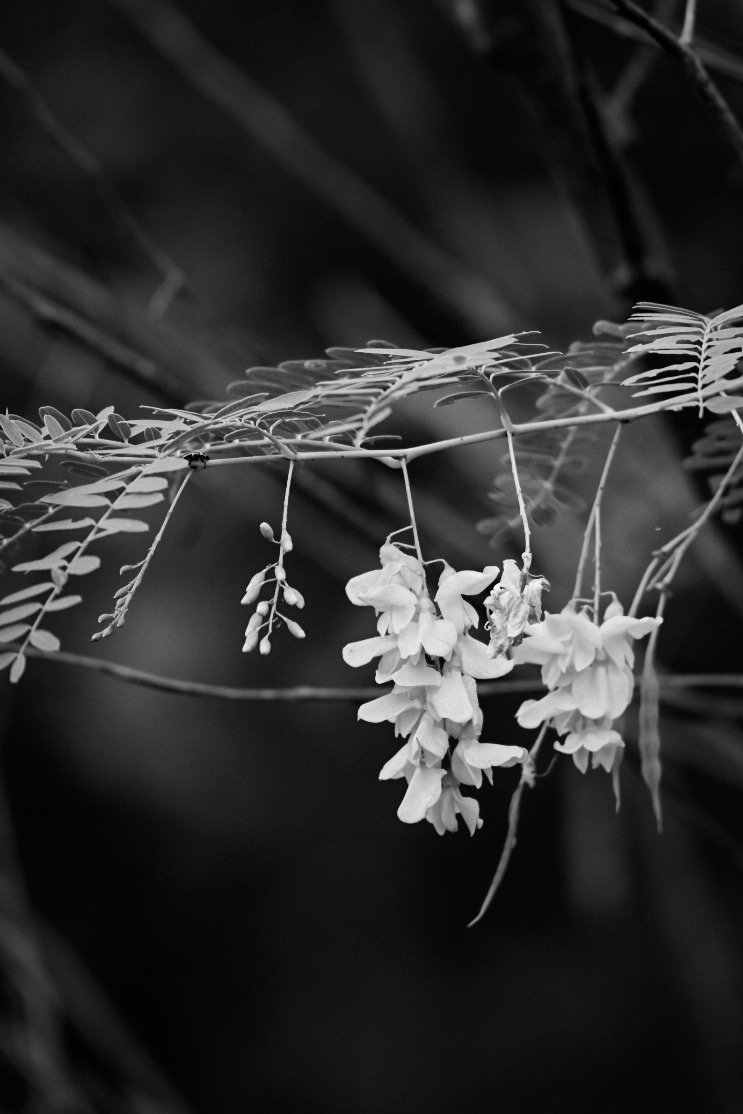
[285,402]
[16,613]
[17,668]
[122,526]
[53,427]
[57,416]
[147,483]
[83,417]
[83,565]
[119,426]
[11,430]
[63,602]
[26,593]
[9,634]
[63,524]
[76,499]
[44,640]
[131,502]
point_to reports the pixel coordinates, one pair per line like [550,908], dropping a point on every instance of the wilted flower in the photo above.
[512,604]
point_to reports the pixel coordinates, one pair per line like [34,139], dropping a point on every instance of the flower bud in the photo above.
[267,532]
[253,589]
[280,574]
[286,541]
[265,646]
[263,608]
[251,641]
[294,628]
[291,596]
[254,622]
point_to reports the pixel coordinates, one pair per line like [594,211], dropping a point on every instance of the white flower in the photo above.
[454,585]
[588,668]
[432,663]
[424,790]
[443,814]
[471,757]
[595,739]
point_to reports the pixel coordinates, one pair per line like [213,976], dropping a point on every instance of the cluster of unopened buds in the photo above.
[267,615]
[426,651]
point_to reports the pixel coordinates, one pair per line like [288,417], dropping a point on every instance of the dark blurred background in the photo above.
[223,889]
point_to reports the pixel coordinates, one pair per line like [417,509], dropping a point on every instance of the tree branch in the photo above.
[316,694]
[715,57]
[696,72]
[177,358]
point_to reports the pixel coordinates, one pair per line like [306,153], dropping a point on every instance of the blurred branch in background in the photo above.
[466,293]
[173,279]
[62,1046]
[530,41]
[686,55]
[174,358]
[715,57]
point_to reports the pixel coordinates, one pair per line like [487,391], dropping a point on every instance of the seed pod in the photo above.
[294,628]
[254,587]
[267,532]
[251,641]
[265,646]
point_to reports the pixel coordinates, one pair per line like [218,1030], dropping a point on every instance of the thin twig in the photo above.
[174,281]
[715,57]
[695,70]
[593,523]
[662,568]
[514,809]
[340,694]
[411,509]
[686,38]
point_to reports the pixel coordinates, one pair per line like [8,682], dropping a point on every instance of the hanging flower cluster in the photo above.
[588,669]
[426,652]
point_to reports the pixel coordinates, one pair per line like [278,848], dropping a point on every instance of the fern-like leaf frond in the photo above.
[705,351]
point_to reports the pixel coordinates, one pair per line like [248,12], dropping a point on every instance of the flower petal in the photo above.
[533,712]
[438,636]
[423,791]
[387,707]
[476,663]
[396,766]
[415,674]
[361,653]
[431,737]
[450,699]
[485,755]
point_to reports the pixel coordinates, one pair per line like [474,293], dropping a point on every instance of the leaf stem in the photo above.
[413,525]
[594,525]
